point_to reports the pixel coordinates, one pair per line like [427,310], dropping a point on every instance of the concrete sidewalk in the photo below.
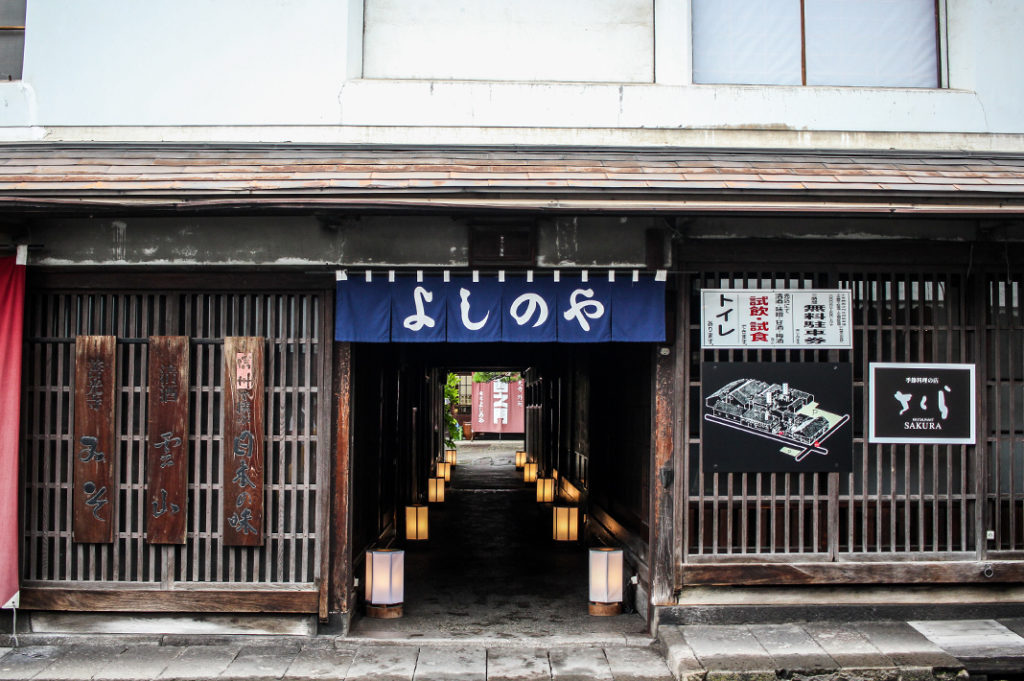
[819,651]
[849,651]
[103,658]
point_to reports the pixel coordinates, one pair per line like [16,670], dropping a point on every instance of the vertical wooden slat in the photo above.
[243,444]
[95,444]
[167,451]
[977,338]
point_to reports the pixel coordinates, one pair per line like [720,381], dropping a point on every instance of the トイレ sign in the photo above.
[921,404]
[776,318]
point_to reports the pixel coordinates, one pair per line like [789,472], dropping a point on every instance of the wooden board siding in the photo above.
[167,444]
[95,499]
[243,441]
[295,323]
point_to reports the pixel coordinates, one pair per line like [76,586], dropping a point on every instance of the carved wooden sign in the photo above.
[95,446]
[167,446]
[243,441]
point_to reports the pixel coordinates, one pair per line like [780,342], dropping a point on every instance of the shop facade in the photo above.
[931,276]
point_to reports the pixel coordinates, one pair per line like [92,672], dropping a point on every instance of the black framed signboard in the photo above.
[777,417]
[921,404]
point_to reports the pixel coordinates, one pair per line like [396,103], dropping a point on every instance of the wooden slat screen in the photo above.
[901,501]
[1004,392]
[293,327]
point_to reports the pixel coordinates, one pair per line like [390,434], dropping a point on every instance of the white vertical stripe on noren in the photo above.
[21,258]
[611,276]
[557,276]
[636,275]
[584,276]
[369,276]
[661,275]
[447,276]
[419,276]
[341,275]
[501,276]
[529,276]
[391,276]
[476,276]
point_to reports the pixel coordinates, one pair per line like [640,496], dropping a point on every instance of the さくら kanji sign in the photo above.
[167,447]
[921,404]
[94,447]
[243,441]
[776,318]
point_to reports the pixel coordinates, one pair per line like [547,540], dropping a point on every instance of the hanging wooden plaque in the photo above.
[243,441]
[167,445]
[95,446]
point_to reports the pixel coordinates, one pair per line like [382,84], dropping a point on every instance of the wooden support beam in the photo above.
[903,572]
[662,563]
[341,519]
[137,600]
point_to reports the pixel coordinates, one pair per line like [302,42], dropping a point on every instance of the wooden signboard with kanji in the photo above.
[95,446]
[167,444]
[243,441]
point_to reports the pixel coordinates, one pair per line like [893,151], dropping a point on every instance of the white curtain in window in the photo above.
[746,41]
[871,42]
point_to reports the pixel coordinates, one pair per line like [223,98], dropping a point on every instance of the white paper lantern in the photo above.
[385,582]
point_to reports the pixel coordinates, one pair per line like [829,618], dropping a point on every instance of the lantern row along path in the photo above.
[490,596]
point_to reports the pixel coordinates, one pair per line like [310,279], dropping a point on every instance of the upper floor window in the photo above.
[12,38]
[884,43]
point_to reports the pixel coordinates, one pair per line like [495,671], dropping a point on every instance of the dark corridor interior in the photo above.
[490,566]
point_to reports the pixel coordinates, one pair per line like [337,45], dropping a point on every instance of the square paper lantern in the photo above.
[416,522]
[545,490]
[385,583]
[520,459]
[565,523]
[530,472]
[435,490]
[444,470]
[605,581]
[450,456]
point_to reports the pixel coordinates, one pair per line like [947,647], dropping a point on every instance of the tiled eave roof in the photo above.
[47,175]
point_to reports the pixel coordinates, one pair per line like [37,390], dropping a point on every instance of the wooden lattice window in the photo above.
[294,328]
[909,500]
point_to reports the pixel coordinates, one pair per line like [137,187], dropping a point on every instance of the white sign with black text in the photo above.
[776,318]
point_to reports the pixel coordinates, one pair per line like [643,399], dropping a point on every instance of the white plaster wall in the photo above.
[549,40]
[182,62]
[283,70]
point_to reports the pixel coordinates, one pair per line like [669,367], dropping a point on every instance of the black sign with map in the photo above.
[922,404]
[777,417]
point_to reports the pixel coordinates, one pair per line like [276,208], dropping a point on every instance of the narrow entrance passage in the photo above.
[490,568]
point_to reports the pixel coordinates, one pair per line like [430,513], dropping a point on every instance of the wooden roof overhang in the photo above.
[210,178]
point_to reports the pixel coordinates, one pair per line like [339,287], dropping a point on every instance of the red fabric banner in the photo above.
[498,407]
[12,306]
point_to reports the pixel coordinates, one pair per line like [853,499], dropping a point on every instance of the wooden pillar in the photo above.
[662,478]
[340,525]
